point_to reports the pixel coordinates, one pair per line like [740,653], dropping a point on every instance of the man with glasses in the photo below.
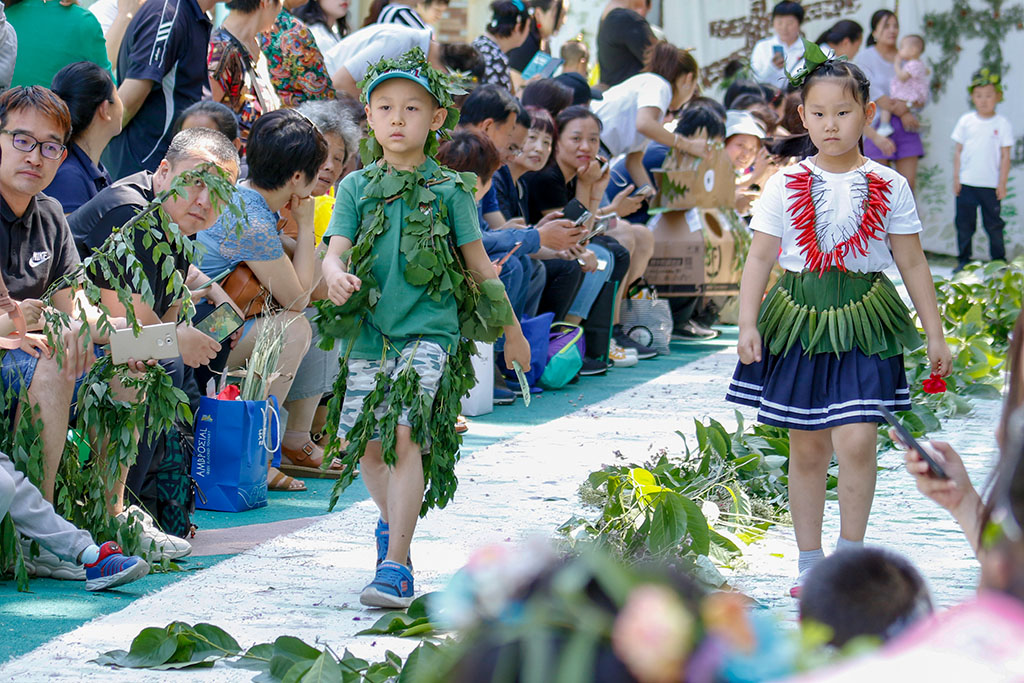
[36,250]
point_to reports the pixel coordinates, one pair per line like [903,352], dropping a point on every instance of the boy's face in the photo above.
[402,114]
[786,27]
[985,98]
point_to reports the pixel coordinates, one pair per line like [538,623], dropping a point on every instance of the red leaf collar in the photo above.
[803,212]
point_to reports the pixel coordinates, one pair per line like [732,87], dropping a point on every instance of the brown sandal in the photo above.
[306,456]
[279,481]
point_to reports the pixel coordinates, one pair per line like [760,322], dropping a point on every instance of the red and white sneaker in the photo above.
[113,568]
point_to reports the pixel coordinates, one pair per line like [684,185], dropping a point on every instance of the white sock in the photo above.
[90,554]
[809,558]
[843,544]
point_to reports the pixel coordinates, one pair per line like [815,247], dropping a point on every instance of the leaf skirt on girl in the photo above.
[832,351]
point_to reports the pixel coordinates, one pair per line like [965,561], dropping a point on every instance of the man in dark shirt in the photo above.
[161,67]
[116,205]
[622,39]
[37,250]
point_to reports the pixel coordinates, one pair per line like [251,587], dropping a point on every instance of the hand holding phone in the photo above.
[220,323]
[646,192]
[907,440]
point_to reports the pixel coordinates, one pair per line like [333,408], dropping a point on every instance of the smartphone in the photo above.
[605,164]
[601,225]
[220,323]
[645,191]
[509,254]
[910,443]
[777,50]
[154,342]
[576,212]
[523,384]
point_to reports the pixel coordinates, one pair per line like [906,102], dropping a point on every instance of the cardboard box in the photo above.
[695,253]
[685,182]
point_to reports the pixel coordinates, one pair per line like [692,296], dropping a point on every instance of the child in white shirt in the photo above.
[911,82]
[981,167]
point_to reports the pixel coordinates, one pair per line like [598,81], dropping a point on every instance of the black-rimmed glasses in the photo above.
[23,142]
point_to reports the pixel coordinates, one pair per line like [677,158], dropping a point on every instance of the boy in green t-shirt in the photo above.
[410,287]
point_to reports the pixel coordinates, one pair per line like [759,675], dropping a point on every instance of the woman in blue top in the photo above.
[96,113]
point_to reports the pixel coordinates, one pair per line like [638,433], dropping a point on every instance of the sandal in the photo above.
[279,481]
[307,456]
[461,425]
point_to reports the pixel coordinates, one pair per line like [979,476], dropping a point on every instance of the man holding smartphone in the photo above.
[197,210]
[782,51]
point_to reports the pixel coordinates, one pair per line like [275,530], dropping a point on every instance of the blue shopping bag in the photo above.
[536,330]
[232,441]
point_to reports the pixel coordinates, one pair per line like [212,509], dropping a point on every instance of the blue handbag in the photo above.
[232,441]
[536,330]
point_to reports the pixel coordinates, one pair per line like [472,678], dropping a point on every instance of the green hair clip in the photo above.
[985,77]
[814,57]
[443,87]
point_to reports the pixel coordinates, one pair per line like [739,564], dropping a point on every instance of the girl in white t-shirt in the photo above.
[826,346]
[632,113]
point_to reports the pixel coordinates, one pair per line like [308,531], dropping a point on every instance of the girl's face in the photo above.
[578,143]
[334,9]
[536,150]
[887,31]
[683,90]
[833,117]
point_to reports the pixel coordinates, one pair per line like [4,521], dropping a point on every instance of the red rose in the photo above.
[934,384]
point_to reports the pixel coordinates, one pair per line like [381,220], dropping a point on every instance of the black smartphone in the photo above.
[910,443]
[576,212]
[220,323]
[601,225]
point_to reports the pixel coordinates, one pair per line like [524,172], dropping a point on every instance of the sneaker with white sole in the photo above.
[167,547]
[391,588]
[620,358]
[113,568]
[46,565]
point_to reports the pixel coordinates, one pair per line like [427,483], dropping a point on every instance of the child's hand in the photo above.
[956,188]
[340,286]
[749,345]
[517,349]
[1001,192]
[939,356]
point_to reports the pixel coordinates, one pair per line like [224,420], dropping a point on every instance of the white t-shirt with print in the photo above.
[838,199]
[983,140]
[367,46]
[620,105]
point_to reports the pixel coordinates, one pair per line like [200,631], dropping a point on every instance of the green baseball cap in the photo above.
[414,75]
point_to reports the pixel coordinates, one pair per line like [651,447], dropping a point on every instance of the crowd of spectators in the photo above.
[95,127]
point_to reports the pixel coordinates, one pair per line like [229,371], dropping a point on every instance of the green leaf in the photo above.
[296,672]
[668,523]
[218,638]
[422,664]
[324,670]
[153,646]
[697,525]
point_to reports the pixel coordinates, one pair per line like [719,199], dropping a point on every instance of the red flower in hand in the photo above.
[934,384]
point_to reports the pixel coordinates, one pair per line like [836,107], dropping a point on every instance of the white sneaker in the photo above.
[48,566]
[167,547]
[620,358]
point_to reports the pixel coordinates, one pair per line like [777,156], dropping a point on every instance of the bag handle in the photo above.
[272,410]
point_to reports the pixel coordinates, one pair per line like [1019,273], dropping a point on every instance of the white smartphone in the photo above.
[154,342]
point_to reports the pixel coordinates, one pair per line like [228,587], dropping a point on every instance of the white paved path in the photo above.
[306,583]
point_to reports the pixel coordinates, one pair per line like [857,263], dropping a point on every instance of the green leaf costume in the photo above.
[434,274]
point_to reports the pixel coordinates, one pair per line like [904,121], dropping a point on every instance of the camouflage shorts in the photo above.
[428,360]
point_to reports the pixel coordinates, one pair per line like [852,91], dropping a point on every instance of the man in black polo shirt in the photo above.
[161,68]
[37,249]
[112,208]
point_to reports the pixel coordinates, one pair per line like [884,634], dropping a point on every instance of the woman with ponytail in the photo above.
[843,39]
[507,29]
[96,112]
[548,17]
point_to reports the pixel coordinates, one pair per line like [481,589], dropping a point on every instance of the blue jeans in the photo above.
[592,282]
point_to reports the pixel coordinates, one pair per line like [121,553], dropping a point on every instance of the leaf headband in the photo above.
[443,87]
[983,78]
[814,57]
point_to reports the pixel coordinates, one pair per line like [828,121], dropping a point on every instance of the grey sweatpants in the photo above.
[34,517]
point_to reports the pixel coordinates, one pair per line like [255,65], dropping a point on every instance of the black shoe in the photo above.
[627,342]
[693,331]
[592,366]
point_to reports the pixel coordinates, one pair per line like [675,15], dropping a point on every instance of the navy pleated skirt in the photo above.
[821,391]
